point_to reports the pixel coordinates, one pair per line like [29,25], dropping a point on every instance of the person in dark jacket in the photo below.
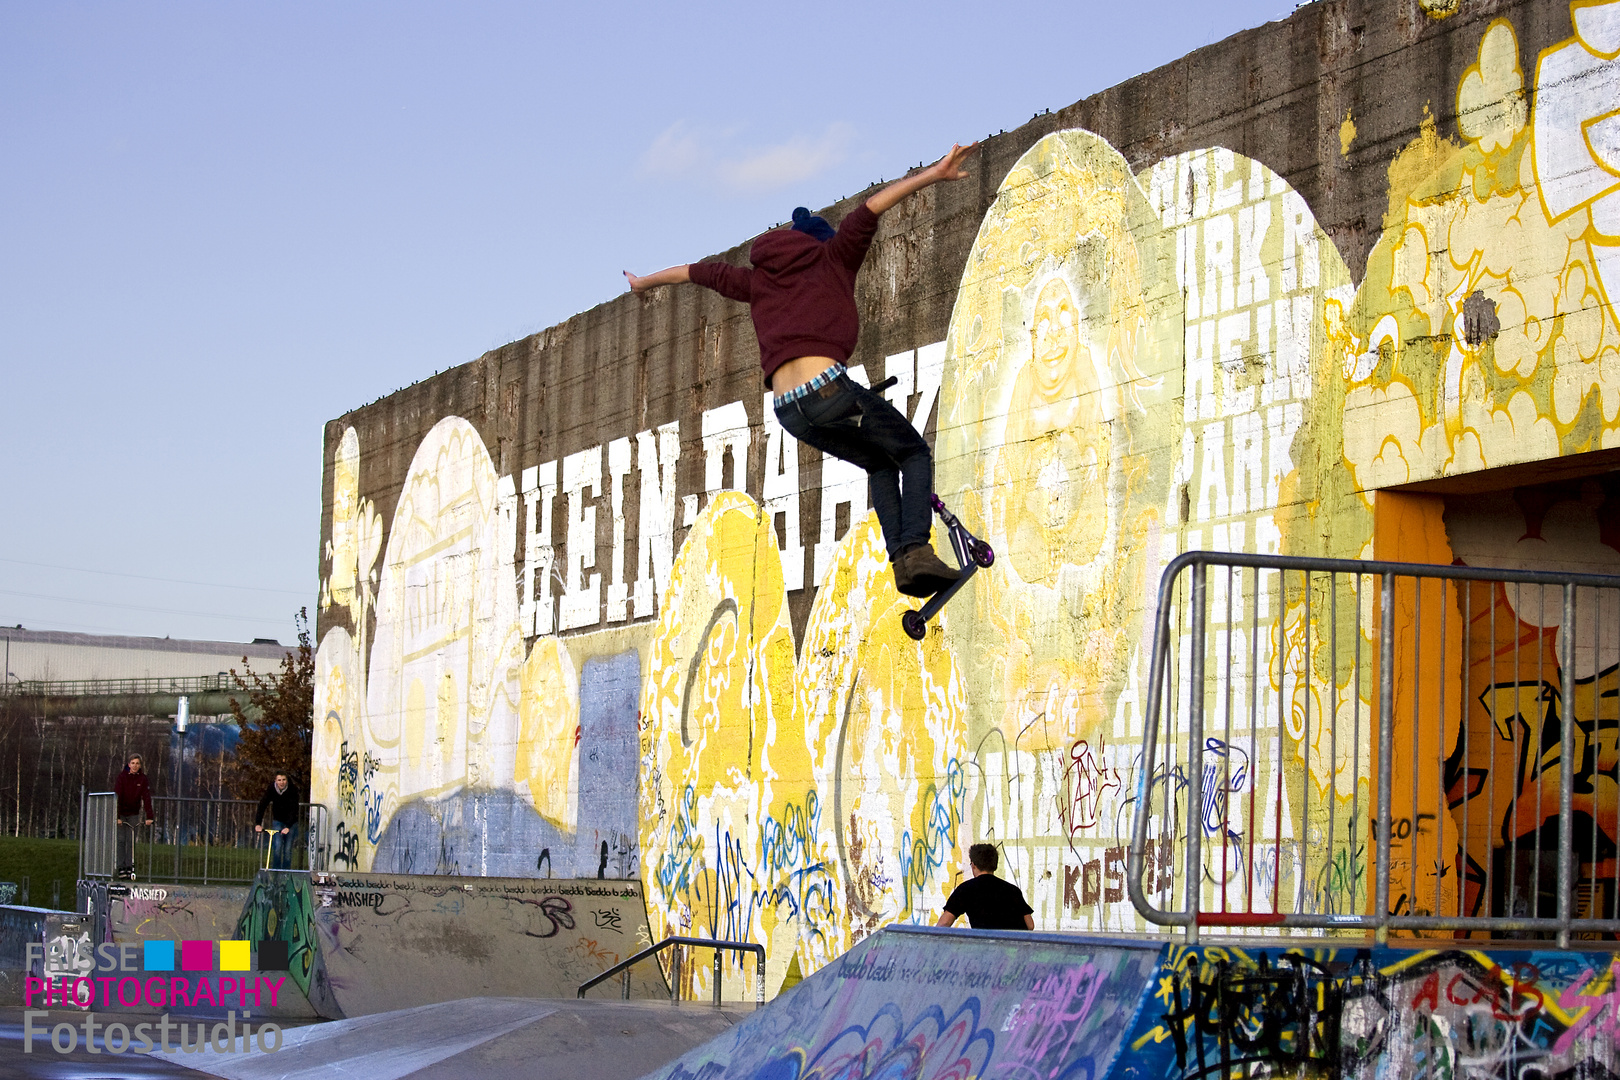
[801,295]
[134,793]
[282,799]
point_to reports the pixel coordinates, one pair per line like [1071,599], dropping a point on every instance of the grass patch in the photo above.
[41,862]
[225,865]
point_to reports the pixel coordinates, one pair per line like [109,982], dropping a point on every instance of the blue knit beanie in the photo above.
[806,222]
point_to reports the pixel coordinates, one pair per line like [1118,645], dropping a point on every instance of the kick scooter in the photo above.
[971,554]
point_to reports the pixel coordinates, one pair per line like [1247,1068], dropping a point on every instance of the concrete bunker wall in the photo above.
[586,611]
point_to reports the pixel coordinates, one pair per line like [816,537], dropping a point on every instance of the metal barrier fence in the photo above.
[1345,745]
[98,834]
[193,840]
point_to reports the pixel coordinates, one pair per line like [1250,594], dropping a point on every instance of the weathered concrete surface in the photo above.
[923,1003]
[1278,93]
[45,1064]
[371,943]
[1241,303]
[391,941]
[65,944]
[138,912]
[490,1038]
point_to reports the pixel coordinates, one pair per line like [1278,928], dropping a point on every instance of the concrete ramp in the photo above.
[924,1003]
[912,1003]
[369,943]
[488,1038]
[136,911]
[64,940]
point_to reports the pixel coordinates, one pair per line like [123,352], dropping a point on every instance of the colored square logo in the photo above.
[235,956]
[196,956]
[159,956]
[273,956]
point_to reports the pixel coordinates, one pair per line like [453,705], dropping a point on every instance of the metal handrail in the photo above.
[718,946]
[1381,575]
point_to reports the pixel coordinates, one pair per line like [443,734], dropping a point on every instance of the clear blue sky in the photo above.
[224,224]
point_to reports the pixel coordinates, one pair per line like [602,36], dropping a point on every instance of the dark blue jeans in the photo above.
[848,421]
[281,847]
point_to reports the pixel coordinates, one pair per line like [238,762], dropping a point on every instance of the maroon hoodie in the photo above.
[801,292]
[134,791]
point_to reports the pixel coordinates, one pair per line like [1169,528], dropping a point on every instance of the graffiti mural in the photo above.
[1084,292]
[805,846]
[1230,1012]
[1502,773]
[279,907]
[673,653]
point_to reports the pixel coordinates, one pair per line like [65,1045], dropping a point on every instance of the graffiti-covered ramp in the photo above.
[913,1003]
[924,1004]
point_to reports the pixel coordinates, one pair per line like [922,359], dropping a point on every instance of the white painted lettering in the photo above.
[582,597]
[655,535]
[618,592]
[539,489]
[781,494]
[725,428]
[1218,258]
[1253,224]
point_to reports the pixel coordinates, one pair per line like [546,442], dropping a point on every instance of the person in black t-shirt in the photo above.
[989,902]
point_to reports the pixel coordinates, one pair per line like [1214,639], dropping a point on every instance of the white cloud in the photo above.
[676,151]
[683,151]
[787,163]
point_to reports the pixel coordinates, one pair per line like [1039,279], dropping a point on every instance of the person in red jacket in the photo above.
[134,793]
[801,295]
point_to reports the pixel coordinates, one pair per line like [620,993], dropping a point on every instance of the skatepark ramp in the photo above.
[161,912]
[372,943]
[915,1003]
[397,955]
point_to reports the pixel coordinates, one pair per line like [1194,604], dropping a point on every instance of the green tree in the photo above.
[277,720]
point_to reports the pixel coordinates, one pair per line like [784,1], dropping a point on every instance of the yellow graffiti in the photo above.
[797,802]
[548,733]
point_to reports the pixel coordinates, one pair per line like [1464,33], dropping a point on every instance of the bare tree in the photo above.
[278,738]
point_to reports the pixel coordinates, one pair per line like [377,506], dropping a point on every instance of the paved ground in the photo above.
[46,1064]
[487,1038]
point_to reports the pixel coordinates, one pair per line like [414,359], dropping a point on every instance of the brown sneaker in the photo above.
[919,572]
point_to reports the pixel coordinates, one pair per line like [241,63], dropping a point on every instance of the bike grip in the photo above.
[885,384]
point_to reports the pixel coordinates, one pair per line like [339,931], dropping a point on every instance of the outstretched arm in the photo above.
[948,167]
[674,275]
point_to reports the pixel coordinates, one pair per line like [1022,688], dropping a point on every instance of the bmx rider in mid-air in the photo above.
[801,294]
